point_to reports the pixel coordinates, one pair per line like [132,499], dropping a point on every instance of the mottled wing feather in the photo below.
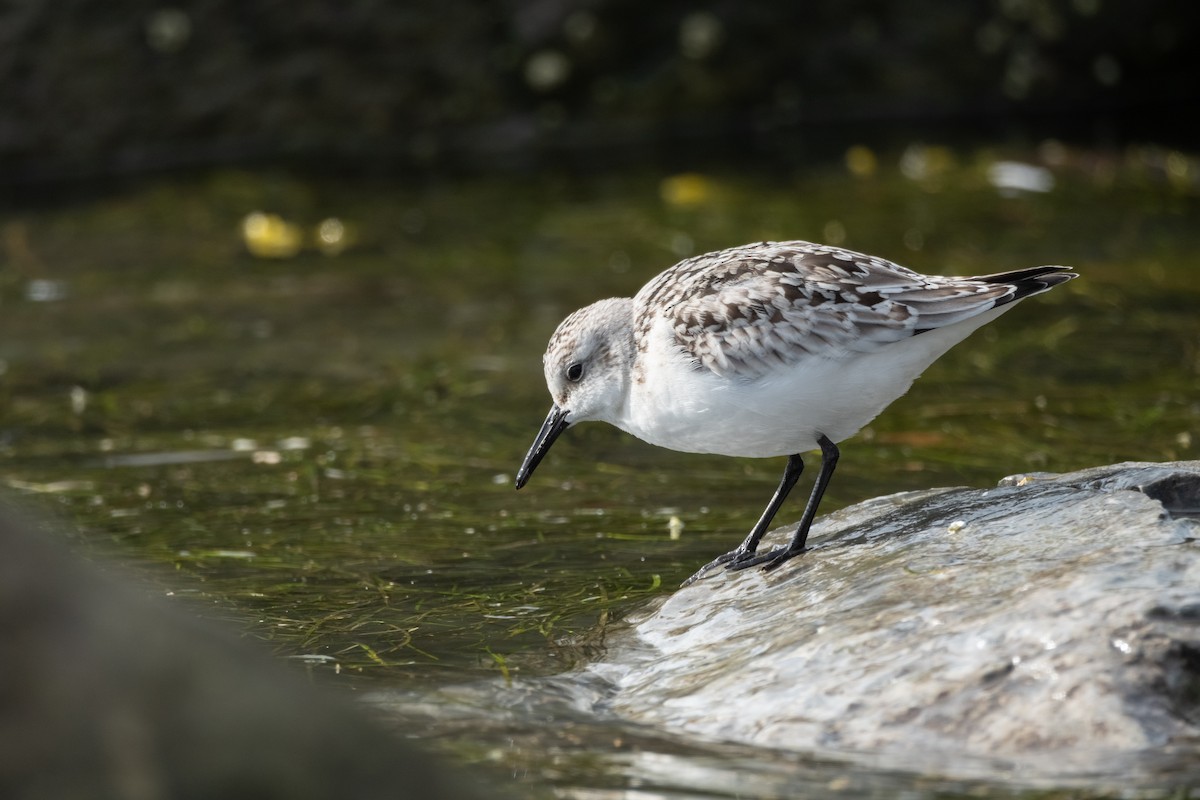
[744,311]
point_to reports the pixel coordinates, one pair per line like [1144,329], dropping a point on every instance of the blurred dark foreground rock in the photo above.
[1049,626]
[105,693]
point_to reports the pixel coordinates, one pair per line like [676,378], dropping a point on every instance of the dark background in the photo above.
[115,87]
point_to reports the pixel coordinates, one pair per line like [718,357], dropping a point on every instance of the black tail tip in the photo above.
[1034,280]
[1059,275]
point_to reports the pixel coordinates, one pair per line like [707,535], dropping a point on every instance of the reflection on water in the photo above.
[346,419]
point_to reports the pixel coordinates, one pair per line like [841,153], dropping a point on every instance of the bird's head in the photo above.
[587,365]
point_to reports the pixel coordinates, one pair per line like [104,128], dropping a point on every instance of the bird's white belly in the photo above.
[779,414]
[695,410]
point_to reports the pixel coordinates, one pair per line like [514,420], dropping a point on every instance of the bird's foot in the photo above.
[739,559]
[732,555]
[770,560]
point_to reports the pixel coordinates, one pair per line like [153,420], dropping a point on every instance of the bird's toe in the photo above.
[780,557]
[747,560]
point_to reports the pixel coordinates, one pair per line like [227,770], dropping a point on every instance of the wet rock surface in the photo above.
[1049,625]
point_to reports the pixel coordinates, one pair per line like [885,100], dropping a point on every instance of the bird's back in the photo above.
[746,311]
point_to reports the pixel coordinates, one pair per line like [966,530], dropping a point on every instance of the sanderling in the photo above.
[769,349]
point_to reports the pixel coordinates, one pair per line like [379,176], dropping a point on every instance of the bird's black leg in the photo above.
[791,474]
[745,550]
[771,560]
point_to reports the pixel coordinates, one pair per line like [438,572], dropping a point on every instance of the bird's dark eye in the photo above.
[574,372]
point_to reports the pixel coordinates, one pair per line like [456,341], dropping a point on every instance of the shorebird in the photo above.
[769,349]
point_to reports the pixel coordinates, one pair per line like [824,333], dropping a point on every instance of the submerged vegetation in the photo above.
[308,423]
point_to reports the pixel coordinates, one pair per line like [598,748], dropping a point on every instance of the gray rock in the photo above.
[1051,624]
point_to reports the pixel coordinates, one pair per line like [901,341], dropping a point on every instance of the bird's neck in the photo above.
[620,356]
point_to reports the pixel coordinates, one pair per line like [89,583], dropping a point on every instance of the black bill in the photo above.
[556,423]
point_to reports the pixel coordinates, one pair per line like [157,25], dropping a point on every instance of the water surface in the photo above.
[320,447]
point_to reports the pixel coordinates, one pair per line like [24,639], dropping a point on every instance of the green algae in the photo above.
[321,448]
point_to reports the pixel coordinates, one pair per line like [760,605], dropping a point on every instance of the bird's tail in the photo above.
[1031,280]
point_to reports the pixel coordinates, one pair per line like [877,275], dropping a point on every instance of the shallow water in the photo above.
[320,447]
